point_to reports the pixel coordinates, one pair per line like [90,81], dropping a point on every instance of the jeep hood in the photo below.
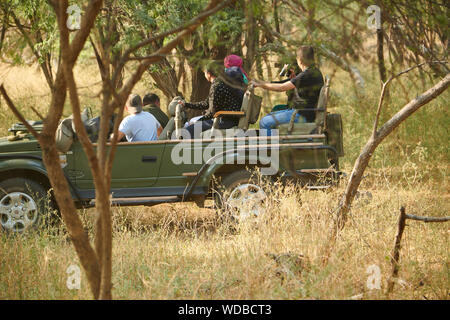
[18,144]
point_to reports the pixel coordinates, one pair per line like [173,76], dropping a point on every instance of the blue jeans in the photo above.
[283,116]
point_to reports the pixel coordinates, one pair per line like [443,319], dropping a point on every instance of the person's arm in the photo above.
[123,129]
[281,81]
[203,105]
[159,130]
[279,87]
[120,136]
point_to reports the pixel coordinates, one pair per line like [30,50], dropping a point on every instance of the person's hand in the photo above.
[256,83]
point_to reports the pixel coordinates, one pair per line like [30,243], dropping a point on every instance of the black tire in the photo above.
[230,189]
[23,205]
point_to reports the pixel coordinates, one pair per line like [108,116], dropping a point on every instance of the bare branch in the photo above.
[37,113]
[47,73]
[210,10]
[17,113]
[87,22]
[386,84]
[397,245]
[186,29]
[339,61]
[427,219]
[396,252]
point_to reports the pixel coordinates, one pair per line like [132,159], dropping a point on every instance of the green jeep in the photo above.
[173,169]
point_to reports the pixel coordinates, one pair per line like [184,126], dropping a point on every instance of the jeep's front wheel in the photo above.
[22,204]
[241,195]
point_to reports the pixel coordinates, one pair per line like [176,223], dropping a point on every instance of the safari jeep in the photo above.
[173,169]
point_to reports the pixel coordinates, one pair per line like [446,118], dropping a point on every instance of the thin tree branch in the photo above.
[427,219]
[37,113]
[17,113]
[87,22]
[384,89]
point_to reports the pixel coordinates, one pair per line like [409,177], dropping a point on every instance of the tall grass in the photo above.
[180,252]
[177,251]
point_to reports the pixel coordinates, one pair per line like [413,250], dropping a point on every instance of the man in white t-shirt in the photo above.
[139,125]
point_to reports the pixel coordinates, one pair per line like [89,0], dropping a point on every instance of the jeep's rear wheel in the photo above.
[241,195]
[23,203]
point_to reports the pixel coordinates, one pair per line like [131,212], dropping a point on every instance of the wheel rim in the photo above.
[246,200]
[18,212]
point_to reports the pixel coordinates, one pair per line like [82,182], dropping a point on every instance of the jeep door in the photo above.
[136,168]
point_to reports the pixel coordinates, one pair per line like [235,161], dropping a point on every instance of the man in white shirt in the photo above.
[139,125]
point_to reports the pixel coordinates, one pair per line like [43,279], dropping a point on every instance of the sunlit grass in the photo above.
[180,252]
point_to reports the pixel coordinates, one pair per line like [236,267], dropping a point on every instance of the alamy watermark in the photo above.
[374,279]
[231,146]
[74,277]
[74,19]
[374,20]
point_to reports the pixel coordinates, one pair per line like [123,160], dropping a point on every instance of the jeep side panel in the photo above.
[136,166]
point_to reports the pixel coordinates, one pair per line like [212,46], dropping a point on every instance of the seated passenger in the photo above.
[289,72]
[234,70]
[152,105]
[222,97]
[308,84]
[138,125]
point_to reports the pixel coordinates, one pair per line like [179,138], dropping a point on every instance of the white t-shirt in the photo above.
[141,126]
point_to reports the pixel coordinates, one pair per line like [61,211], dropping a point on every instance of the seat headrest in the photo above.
[173,106]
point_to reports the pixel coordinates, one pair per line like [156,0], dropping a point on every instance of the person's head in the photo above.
[232,62]
[134,104]
[210,75]
[305,56]
[151,98]
[211,71]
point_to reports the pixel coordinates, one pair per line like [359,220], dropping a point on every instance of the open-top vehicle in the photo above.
[173,169]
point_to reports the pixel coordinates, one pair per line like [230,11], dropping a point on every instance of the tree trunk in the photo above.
[251,36]
[165,78]
[200,86]
[79,237]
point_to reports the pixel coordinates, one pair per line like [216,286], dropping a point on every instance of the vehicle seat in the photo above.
[249,114]
[320,123]
[166,134]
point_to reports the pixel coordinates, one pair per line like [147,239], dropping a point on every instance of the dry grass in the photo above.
[177,251]
[181,252]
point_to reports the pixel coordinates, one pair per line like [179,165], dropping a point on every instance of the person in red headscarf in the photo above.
[234,68]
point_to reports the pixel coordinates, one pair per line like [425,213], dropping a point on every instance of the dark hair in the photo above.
[134,102]
[306,54]
[150,98]
[214,68]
